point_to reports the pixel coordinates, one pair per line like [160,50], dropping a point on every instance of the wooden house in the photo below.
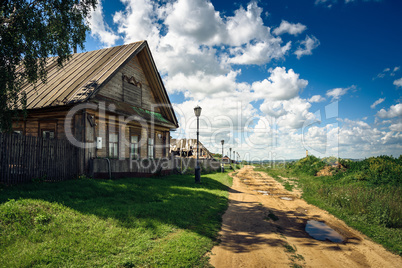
[188,148]
[110,102]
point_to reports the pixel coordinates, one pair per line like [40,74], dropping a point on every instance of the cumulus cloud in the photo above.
[337,93]
[398,82]
[139,22]
[290,28]
[99,28]
[306,46]
[380,100]
[289,114]
[394,111]
[280,85]
[396,127]
[316,98]
[195,19]
[200,53]
[259,53]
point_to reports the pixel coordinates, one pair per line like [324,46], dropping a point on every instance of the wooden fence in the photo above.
[25,158]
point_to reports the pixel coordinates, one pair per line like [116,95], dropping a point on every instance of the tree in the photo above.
[30,32]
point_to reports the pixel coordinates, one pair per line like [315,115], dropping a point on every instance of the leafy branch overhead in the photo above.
[30,32]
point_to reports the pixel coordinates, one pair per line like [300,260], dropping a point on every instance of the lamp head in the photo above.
[197,111]
[222,141]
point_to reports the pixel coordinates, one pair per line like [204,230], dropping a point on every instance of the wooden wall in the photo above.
[117,88]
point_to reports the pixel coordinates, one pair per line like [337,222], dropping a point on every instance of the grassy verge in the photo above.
[161,221]
[375,210]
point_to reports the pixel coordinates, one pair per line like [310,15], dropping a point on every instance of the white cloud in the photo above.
[138,22]
[195,19]
[387,71]
[327,3]
[398,82]
[394,111]
[198,52]
[289,114]
[99,28]
[396,127]
[316,98]
[201,85]
[306,46]
[259,53]
[280,85]
[290,28]
[337,93]
[380,100]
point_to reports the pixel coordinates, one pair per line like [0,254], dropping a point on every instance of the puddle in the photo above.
[286,198]
[263,192]
[320,231]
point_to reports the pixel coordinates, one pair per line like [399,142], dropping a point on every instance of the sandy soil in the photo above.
[251,238]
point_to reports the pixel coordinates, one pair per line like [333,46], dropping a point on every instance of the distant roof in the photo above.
[79,77]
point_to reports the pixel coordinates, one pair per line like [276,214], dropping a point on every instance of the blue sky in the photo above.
[274,78]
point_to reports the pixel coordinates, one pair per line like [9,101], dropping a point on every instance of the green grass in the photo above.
[288,186]
[160,221]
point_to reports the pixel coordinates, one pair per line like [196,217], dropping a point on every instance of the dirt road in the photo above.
[260,229]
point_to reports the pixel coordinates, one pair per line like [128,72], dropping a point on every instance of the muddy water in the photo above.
[320,231]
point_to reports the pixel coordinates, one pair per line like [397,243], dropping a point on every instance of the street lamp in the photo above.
[197,112]
[222,169]
[230,156]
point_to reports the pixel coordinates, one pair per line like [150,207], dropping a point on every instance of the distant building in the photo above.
[226,160]
[188,148]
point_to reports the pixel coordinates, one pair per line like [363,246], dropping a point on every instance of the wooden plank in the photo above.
[29,152]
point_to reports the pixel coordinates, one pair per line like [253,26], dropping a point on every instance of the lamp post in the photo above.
[230,156]
[234,160]
[197,112]
[222,169]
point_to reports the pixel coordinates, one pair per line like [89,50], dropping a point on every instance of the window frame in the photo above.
[135,146]
[151,147]
[42,133]
[115,144]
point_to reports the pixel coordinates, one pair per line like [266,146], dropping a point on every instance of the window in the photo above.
[48,134]
[151,148]
[113,145]
[134,148]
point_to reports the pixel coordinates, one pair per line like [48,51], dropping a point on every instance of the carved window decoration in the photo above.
[132,91]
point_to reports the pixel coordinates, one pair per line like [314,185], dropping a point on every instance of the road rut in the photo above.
[260,229]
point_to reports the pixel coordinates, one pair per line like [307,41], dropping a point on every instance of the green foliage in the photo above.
[375,170]
[30,32]
[133,222]
[309,165]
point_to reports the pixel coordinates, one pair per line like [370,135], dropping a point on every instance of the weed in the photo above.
[297,257]
[289,248]
[288,186]
[295,265]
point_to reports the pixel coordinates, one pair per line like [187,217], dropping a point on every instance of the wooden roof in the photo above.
[84,74]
